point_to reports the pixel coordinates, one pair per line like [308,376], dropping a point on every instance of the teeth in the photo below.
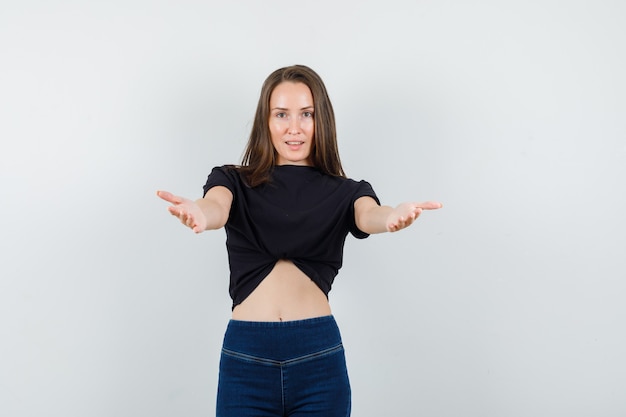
[294,143]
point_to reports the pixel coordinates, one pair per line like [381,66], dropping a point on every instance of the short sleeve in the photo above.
[364,189]
[223,176]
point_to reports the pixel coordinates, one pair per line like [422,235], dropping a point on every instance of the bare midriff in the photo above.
[286,294]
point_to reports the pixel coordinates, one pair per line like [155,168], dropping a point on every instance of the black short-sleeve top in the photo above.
[301,215]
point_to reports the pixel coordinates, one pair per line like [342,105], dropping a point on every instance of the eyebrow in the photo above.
[283,108]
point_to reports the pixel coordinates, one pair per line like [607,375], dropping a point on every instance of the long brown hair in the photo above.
[260,156]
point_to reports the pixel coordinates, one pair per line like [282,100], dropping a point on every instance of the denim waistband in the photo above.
[283,324]
[282,341]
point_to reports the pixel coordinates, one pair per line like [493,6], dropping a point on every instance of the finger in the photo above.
[399,224]
[169,197]
[406,222]
[430,205]
[174,211]
[190,221]
[180,213]
[186,218]
[416,212]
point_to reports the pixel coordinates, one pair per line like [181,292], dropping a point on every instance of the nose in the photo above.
[294,126]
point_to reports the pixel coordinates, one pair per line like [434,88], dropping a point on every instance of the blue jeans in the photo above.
[293,368]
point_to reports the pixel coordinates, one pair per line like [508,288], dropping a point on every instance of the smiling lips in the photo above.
[294,145]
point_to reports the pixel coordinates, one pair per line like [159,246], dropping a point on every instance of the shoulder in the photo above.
[228,168]
[225,175]
[230,171]
[352,188]
[362,188]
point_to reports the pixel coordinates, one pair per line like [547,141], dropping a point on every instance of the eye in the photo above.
[281,115]
[308,114]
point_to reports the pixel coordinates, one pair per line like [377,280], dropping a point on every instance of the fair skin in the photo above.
[287,293]
[291,123]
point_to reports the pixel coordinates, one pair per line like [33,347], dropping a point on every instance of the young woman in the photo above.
[287,210]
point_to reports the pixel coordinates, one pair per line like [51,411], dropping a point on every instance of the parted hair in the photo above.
[259,156]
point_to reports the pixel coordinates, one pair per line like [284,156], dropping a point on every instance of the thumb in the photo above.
[430,205]
[169,197]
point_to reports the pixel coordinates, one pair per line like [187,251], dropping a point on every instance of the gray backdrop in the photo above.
[508,302]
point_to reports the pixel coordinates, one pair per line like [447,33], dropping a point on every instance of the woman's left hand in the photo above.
[405,214]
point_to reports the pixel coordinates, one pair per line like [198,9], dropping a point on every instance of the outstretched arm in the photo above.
[372,218]
[208,213]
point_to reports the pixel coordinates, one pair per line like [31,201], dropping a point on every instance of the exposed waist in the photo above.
[286,294]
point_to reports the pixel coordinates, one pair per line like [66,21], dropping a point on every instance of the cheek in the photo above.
[280,124]
[310,128]
[275,129]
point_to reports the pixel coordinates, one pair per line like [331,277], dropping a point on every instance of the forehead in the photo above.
[294,93]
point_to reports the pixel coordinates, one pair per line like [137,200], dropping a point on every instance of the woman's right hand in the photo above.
[188,212]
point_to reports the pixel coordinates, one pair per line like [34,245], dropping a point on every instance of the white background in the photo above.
[508,302]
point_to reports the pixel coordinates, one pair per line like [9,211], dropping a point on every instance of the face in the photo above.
[291,123]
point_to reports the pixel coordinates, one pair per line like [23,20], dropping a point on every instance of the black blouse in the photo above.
[301,215]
